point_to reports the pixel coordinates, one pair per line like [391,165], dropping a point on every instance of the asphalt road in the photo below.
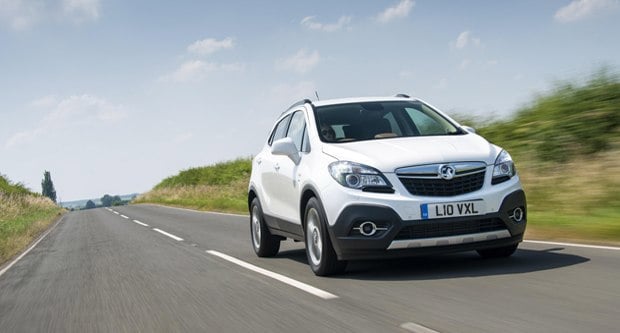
[99,271]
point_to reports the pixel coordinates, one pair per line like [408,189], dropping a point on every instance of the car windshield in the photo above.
[380,120]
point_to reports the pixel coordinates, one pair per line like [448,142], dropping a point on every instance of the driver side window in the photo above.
[279,131]
[296,129]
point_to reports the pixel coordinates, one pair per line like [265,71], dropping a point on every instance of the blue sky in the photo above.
[113,96]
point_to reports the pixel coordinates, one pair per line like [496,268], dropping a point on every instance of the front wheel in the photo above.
[498,252]
[264,243]
[321,255]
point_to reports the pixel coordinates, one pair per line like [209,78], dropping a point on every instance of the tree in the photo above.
[108,200]
[90,204]
[48,186]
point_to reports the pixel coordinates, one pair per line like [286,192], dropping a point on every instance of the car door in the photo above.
[267,166]
[287,174]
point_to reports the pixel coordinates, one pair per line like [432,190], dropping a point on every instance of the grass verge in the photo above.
[574,202]
[229,198]
[23,217]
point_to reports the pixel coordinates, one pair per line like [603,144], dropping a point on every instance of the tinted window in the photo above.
[280,131]
[381,120]
[296,129]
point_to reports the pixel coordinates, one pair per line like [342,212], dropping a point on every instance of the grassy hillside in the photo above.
[566,144]
[221,187]
[23,216]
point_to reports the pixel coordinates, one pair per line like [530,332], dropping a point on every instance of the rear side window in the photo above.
[279,131]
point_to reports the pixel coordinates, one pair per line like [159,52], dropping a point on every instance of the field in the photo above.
[23,216]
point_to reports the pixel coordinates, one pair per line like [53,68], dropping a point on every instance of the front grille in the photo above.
[431,229]
[437,187]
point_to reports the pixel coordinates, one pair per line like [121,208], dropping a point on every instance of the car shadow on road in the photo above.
[467,264]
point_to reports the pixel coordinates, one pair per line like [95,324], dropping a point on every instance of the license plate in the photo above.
[452,209]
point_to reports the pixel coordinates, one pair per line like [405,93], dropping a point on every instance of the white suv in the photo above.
[367,178]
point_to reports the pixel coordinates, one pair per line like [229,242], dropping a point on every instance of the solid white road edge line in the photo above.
[30,248]
[199,211]
[599,247]
[176,238]
[417,328]
[125,217]
[294,283]
[141,223]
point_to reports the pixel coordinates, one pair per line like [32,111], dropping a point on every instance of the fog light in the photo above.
[369,228]
[517,214]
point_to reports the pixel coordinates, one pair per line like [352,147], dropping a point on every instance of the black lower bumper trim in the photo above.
[350,246]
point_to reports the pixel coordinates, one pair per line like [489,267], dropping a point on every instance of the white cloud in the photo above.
[310,23]
[193,70]
[23,137]
[400,10]
[81,10]
[73,109]
[465,39]
[582,9]
[210,45]
[25,14]
[197,70]
[464,64]
[21,15]
[48,101]
[232,67]
[301,62]
[80,106]
[405,73]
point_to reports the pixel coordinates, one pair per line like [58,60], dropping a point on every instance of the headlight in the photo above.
[504,168]
[357,176]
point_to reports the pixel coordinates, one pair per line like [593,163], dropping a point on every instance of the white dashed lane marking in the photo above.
[417,328]
[285,279]
[177,238]
[141,223]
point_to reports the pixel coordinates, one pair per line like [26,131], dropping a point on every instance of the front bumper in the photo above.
[424,237]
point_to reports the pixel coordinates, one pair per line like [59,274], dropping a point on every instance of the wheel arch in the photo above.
[308,192]
[251,196]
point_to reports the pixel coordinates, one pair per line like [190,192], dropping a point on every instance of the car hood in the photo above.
[387,155]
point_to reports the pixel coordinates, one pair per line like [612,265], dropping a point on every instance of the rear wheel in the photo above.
[321,255]
[264,243]
[498,252]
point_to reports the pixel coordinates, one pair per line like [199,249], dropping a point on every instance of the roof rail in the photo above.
[402,95]
[302,102]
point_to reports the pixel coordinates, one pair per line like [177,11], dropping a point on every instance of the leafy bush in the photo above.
[572,120]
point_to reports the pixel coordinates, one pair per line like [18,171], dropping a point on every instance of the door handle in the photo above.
[277,167]
[259,160]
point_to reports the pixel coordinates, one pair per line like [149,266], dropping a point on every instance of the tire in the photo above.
[321,255]
[498,252]
[264,243]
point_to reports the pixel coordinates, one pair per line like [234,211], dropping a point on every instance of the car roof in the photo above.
[361,100]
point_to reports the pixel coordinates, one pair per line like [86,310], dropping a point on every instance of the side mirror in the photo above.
[286,147]
[469,129]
